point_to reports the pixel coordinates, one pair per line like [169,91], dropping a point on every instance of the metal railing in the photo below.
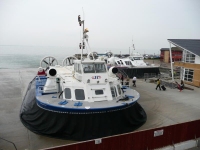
[123,73]
[165,79]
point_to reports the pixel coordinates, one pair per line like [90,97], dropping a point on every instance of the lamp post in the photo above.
[172,71]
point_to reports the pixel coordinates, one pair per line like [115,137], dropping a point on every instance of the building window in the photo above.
[188,75]
[98,92]
[68,93]
[79,94]
[189,57]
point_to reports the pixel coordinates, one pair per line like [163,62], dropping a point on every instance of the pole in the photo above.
[172,71]
[82,42]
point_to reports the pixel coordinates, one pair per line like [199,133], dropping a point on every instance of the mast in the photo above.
[133,46]
[85,36]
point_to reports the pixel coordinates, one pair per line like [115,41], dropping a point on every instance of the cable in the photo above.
[89,47]
[9,142]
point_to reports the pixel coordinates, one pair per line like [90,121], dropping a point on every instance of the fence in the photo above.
[150,75]
[171,85]
[143,140]
[165,79]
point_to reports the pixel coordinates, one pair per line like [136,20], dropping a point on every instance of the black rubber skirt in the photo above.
[139,72]
[78,126]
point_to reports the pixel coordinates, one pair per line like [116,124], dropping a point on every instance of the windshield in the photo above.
[94,68]
[136,58]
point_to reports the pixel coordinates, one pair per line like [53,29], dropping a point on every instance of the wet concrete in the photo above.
[163,108]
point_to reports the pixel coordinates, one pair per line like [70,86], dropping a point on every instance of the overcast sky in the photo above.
[112,24]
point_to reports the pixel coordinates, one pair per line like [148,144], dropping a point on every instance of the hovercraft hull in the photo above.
[78,126]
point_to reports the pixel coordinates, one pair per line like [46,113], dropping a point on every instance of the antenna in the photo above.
[80,35]
[133,44]
[83,14]
[85,36]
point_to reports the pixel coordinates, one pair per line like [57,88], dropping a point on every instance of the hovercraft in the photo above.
[80,100]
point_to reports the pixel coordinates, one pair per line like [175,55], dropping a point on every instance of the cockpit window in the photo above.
[88,68]
[77,68]
[94,68]
[137,58]
[100,68]
[113,91]
[119,89]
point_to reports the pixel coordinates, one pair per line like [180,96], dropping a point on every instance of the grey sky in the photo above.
[112,24]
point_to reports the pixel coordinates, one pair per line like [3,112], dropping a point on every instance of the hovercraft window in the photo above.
[128,62]
[94,68]
[75,67]
[119,89]
[113,91]
[88,68]
[79,69]
[100,68]
[98,92]
[137,58]
[79,94]
[68,93]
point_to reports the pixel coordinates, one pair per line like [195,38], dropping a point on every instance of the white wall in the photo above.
[197,59]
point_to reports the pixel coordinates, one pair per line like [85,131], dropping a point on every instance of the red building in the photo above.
[165,55]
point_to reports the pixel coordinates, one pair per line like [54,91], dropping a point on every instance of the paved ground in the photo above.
[163,108]
[168,107]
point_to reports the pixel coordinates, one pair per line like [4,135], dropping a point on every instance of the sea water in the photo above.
[30,56]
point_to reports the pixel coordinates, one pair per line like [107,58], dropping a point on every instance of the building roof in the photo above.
[192,45]
[164,49]
[173,49]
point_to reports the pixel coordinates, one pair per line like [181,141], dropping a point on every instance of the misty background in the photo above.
[49,27]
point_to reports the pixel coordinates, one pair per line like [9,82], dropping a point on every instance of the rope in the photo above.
[9,142]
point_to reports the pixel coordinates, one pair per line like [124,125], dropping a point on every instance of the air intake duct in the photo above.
[52,72]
